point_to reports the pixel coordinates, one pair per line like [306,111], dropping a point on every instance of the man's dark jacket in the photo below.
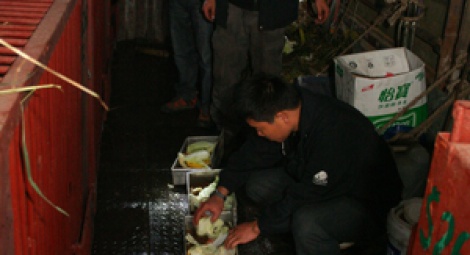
[333,138]
[273,14]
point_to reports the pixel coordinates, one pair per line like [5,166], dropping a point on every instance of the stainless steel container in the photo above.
[195,179]
[179,172]
[189,228]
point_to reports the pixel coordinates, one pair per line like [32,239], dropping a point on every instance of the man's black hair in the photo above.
[262,96]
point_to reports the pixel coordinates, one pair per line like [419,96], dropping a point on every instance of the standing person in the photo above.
[248,39]
[316,168]
[191,40]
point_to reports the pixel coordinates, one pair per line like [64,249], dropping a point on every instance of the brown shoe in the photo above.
[178,104]
[204,120]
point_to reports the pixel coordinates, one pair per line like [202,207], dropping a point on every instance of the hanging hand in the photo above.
[323,11]
[208,8]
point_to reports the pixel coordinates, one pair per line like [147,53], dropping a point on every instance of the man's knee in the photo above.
[311,237]
[255,192]
[305,224]
[265,188]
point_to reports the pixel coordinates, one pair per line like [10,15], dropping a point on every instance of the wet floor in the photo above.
[138,210]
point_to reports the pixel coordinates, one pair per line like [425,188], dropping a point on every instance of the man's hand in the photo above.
[323,11]
[243,233]
[208,8]
[214,205]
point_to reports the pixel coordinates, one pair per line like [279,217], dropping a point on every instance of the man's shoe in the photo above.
[203,120]
[179,104]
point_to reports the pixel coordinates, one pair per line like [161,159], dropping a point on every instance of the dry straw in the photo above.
[57,74]
[31,90]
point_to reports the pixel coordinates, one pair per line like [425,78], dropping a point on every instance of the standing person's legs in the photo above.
[203,32]
[319,228]
[230,53]
[185,55]
[266,48]
[230,60]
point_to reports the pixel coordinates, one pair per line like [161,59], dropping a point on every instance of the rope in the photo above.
[460,62]
[381,18]
[427,123]
[55,73]
[398,13]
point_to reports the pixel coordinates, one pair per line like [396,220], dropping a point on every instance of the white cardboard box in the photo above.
[380,83]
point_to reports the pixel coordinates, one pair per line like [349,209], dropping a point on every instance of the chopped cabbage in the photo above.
[201,145]
[212,230]
[208,249]
[288,46]
[204,194]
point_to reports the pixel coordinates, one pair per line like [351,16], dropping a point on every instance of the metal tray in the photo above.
[178,172]
[196,179]
[189,227]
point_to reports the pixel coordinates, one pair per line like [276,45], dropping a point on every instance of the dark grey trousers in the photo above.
[239,50]
[317,227]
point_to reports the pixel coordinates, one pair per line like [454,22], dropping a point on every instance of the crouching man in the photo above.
[314,165]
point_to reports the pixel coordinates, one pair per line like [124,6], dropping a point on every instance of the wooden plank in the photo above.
[449,36]
[464,36]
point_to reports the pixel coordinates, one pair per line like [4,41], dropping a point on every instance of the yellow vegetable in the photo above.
[198,159]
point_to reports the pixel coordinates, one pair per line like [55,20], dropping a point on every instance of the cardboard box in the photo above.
[380,83]
[195,179]
[178,172]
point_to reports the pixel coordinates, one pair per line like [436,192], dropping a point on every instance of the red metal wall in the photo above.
[62,136]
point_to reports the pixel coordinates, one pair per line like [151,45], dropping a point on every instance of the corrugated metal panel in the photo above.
[18,20]
[53,121]
[61,147]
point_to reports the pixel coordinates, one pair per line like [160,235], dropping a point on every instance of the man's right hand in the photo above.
[214,205]
[208,8]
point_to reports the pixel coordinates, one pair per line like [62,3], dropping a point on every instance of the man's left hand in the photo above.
[241,234]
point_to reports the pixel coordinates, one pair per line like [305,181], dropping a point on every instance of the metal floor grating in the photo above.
[138,211]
